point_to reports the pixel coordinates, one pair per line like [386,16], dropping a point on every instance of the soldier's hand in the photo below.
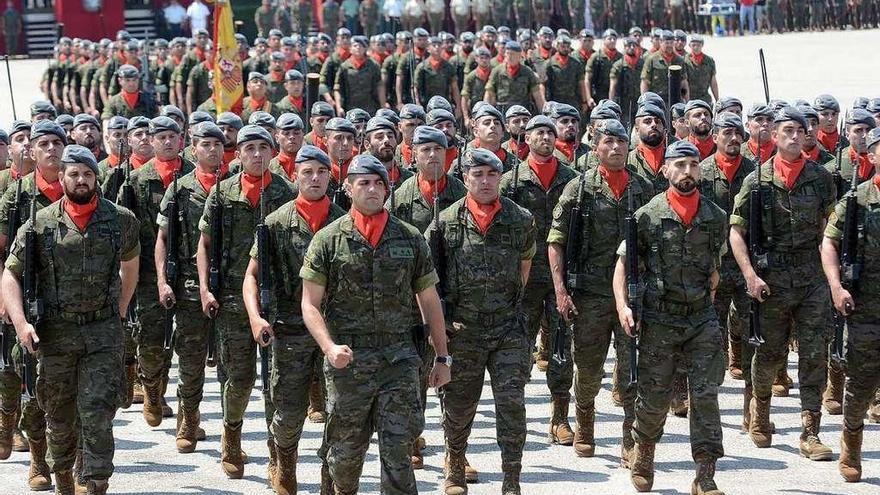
[340,112]
[757,288]
[166,296]
[440,375]
[260,327]
[843,301]
[627,320]
[565,305]
[340,356]
[591,103]
[28,338]
[210,306]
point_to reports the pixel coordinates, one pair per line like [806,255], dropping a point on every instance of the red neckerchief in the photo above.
[81,214]
[812,155]
[358,63]
[322,57]
[521,148]
[616,179]
[611,54]
[251,185]
[697,58]
[112,160]
[175,60]
[51,190]
[727,165]
[296,101]
[639,51]
[865,167]
[788,172]
[320,142]
[200,53]
[705,146]
[435,64]
[315,213]
[276,75]
[586,54]
[339,172]
[512,71]
[406,153]
[62,57]
[766,149]
[544,171]
[137,160]
[566,148]
[653,156]
[420,52]
[13,172]
[131,99]
[482,214]
[876,181]
[685,206]
[288,163]
[344,53]
[206,179]
[680,53]
[447,55]
[228,156]
[377,57]
[394,174]
[545,52]
[167,168]
[483,73]
[370,226]
[668,58]
[562,59]
[428,189]
[256,104]
[631,60]
[451,155]
[828,139]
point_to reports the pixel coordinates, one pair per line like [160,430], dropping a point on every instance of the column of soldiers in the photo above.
[472,220]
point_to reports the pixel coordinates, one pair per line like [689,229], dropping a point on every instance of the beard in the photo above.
[87,142]
[652,139]
[384,155]
[80,197]
[685,185]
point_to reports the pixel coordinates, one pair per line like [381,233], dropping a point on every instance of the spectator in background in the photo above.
[369,17]
[332,15]
[174,14]
[747,15]
[350,12]
[11,26]
[761,15]
[198,14]
[413,14]
[393,10]
[461,14]
[436,9]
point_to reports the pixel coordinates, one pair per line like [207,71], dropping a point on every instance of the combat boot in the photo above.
[470,473]
[704,484]
[137,395]
[455,483]
[130,379]
[642,467]
[326,482]
[734,356]
[187,429]
[560,430]
[416,457]
[272,468]
[19,442]
[584,442]
[79,487]
[782,383]
[152,403]
[627,445]
[39,478]
[850,463]
[759,426]
[317,405]
[284,482]
[166,409]
[510,485]
[832,399]
[7,427]
[64,483]
[98,487]
[230,452]
[747,415]
[873,413]
[811,447]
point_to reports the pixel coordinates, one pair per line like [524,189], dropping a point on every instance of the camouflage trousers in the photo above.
[153,360]
[81,375]
[732,306]
[372,394]
[594,326]
[699,346]
[191,346]
[862,371]
[789,312]
[296,359]
[539,303]
[238,355]
[33,420]
[501,349]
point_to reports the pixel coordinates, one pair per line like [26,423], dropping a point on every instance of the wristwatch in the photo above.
[447,360]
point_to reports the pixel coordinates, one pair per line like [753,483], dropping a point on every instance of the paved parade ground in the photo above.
[800,66]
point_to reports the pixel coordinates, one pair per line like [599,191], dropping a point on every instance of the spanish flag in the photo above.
[228,84]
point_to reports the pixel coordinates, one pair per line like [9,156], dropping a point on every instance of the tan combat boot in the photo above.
[187,429]
[152,403]
[230,452]
[19,442]
[704,484]
[560,430]
[584,442]
[782,383]
[98,487]
[285,471]
[167,412]
[642,467]
[747,416]
[832,399]
[39,478]
[317,405]
[759,426]
[64,483]
[679,404]
[734,356]
[850,463]
[7,428]
[416,457]
[130,380]
[272,468]
[615,389]
[470,472]
[510,485]
[137,394]
[542,353]
[79,487]
[455,483]
[811,447]
[627,444]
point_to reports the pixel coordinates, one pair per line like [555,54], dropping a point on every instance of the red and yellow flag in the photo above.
[228,84]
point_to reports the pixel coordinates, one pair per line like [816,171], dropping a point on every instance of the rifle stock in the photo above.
[264,282]
[850,266]
[214,279]
[33,303]
[172,258]
[634,287]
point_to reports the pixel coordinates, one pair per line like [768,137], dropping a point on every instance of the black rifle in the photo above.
[340,198]
[757,251]
[458,170]
[263,279]
[839,184]
[128,199]
[850,266]
[414,92]
[172,259]
[7,331]
[214,267]
[33,304]
[764,75]
[438,248]
[516,163]
[634,287]
[11,94]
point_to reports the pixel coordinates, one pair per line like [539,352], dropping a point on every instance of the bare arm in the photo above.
[621,298]
[166,293]
[203,264]
[713,85]
[843,300]
[489,96]
[338,355]
[432,313]
[564,303]
[12,300]
[525,266]
[538,96]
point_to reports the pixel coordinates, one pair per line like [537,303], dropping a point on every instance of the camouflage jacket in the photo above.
[24,202]
[845,168]
[412,207]
[636,163]
[656,73]
[699,77]
[512,91]
[116,105]
[473,90]
[564,81]
[599,70]
[359,88]
[434,82]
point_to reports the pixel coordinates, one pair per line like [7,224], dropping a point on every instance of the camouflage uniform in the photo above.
[267,107]
[275,90]
[198,81]
[430,82]
[359,88]
[603,221]
[679,321]
[599,70]
[564,81]
[302,17]
[799,293]
[116,105]
[80,377]
[264,20]
[379,389]
[636,163]
[627,88]
[389,75]
[656,72]
[845,168]
[487,332]
[473,90]
[699,77]
[512,91]
[406,63]
[541,9]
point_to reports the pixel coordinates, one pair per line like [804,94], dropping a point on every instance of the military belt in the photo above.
[84,317]
[795,258]
[487,319]
[678,308]
[589,275]
[373,340]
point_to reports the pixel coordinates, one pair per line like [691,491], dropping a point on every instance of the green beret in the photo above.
[412,111]
[439,115]
[517,111]
[322,109]
[357,115]
[199,116]
[368,164]
[826,102]
[379,123]
[695,104]
[289,121]
[341,125]
[564,110]
[230,119]
[729,120]
[19,126]
[84,118]
[612,127]
[137,122]
[788,113]
[541,121]
[873,138]
[860,116]
[486,110]
[172,111]
[262,118]
[43,106]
